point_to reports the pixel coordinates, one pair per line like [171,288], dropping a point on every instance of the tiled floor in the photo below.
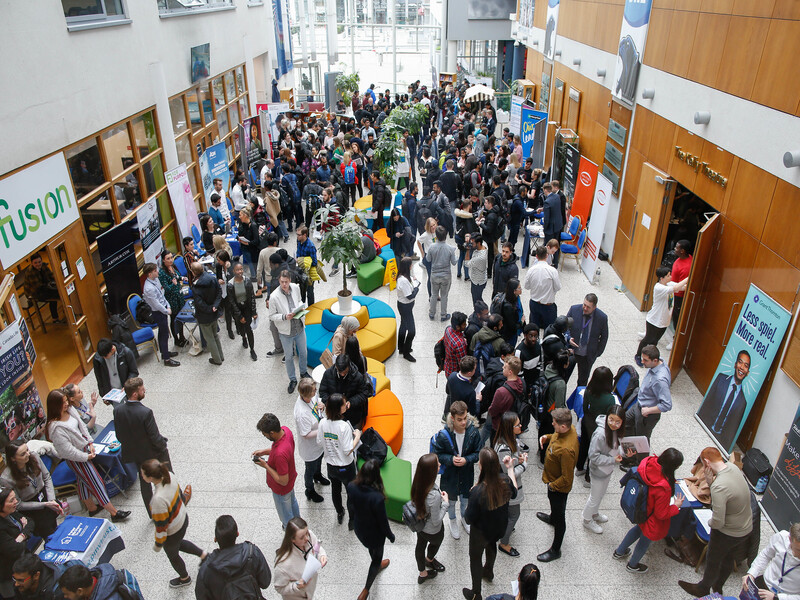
[209,415]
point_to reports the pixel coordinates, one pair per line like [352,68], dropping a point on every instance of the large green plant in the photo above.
[347,85]
[341,244]
[388,151]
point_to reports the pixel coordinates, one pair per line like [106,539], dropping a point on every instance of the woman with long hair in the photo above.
[208,227]
[352,349]
[403,166]
[431,506]
[85,409]
[511,311]
[527,584]
[604,454]
[27,475]
[15,531]
[350,189]
[505,444]
[172,282]
[366,502]
[487,515]
[658,472]
[168,507]
[424,243]
[598,398]
[339,442]
[74,444]
[465,228]
[290,561]
[242,303]
[407,289]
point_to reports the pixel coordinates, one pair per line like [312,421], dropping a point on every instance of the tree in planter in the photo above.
[347,85]
[341,244]
[388,150]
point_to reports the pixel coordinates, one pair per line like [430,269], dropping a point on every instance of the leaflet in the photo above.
[312,567]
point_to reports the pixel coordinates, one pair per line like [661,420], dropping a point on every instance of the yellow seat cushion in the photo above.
[314,316]
[378,370]
[379,338]
[363,203]
[385,415]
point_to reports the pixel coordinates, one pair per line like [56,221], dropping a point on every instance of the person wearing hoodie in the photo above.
[476,320]
[604,455]
[224,564]
[505,268]
[489,334]
[503,401]
[100,583]
[658,473]
[491,228]
[457,447]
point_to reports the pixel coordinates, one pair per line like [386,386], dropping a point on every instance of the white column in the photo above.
[250,67]
[164,117]
[331,34]
[452,52]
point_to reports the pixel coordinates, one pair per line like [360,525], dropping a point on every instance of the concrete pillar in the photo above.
[164,118]
[517,71]
[250,69]
[452,52]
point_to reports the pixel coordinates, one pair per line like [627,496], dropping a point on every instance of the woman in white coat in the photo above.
[299,542]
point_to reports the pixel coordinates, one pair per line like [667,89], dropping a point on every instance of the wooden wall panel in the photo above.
[771,272]
[667,4]
[658,37]
[742,55]
[753,8]
[733,260]
[662,143]
[640,135]
[714,308]
[707,48]
[723,7]
[787,9]
[540,15]
[780,230]
[777,84]
[680,170]
[750,198]
[720,161]
[679,48]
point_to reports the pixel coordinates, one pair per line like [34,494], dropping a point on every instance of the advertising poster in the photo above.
[597,224]
[26,337]
[516,115]
[632,37]
[753,343]
[529,119]
[283,41]
[35,204]
[180,194]
[250,144]
[21,407]
[781,501]
[550,29]
[265,122]
[214,165]
[201,62]
[150,230]
[572,161]
[584,189]
[117,250]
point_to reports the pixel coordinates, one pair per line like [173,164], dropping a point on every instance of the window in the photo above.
[87,14]
[144,130]
[85,167]
[173,8]
[117,145]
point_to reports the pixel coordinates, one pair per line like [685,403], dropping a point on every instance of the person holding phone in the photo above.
[407,289]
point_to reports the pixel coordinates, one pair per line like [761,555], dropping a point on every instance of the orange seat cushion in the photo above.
[381,237]
[385,415]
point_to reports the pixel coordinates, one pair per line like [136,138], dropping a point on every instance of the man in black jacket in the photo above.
[381,199]
[553,221]
[344,378]
[207,295]
[34,579]
[138,433]
[476,320]
[505,268]
[113,365]
[231,564]
[491,229]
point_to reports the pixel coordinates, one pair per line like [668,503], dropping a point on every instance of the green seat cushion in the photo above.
[396,475]
[370,275]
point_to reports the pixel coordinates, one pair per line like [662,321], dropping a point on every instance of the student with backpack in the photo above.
[103,582]
[430,506]
[508,395]
[234,570]
[349,179]
[555,394]
[598,398]
[649,507]
[457,446]
[492,227]
[511,311]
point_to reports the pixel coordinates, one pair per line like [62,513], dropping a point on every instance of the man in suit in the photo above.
[113,365]
[588,335]
[138,433]
[552,221]
[723,409]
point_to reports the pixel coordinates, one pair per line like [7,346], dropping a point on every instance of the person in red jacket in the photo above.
[658,472]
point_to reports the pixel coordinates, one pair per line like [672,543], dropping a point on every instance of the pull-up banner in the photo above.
[753,343]
[781,501]
[529,121]
[550,29]
[584,190]
[632,37]
[596,227]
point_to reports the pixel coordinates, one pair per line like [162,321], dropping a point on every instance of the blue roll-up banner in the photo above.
[283,40]
[753,343]
[214,165]
[528,120]
[632,37]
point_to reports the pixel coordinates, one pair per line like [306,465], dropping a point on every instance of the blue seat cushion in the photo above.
[376,308]
[63,475]
[317,339]
[386,254]
[569,249]
[330,321]
[140,336]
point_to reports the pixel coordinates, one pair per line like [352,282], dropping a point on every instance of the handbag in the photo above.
[373,446]
[326,358]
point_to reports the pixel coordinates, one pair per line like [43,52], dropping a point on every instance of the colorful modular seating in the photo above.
[377,335]
[396,475]
[378,370]
[381,237]
[386,417]
[365,203]
[370,275]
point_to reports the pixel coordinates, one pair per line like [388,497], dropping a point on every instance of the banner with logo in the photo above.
[597,224]
[36,203]
[250,144]
[572,161]
[283,41]
[150,230]
[632,37]
[781,501]
[117,251]
[21,408]
[180,194]
[584,189]
[529,120]
[752,345]
[550,29]
[214,165]
[516,115]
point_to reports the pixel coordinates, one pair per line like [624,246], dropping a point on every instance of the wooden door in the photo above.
[75,277]
[697,279]
[650,220]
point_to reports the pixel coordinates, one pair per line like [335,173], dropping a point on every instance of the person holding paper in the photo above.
[431,506]
[775,571]
[284,303]
[298,561]
[526,587]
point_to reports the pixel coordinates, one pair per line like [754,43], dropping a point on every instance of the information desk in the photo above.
[117,476]
[92,541]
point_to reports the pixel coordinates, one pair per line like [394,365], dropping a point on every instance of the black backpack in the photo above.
[539,395]
[439,353]
[523,409]
[144,314]
[243,585]
[372,446]
[121,333]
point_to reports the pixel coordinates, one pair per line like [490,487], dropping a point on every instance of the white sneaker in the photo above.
[454,530]
[669,346]
[600,518]
[640,334]
[592,526]
[466,527]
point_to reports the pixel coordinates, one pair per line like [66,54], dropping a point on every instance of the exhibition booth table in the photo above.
[91,541]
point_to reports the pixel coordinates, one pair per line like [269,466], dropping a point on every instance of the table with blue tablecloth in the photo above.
[117,475]
[89,540]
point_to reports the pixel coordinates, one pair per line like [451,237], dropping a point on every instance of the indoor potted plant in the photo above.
[341,244]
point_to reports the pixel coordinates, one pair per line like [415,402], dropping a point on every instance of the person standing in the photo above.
[290,561]
[168,510]
[242,303]
[172,282]
[543,282]
[207,295]
[284,303]
[559,467]
[654,396]
[506,444]
[598,398]
[138,433]
[114,363]
[457,446]
[660,314]
[552,218]
[505,269]
[306,249]
[731,522]
[476,263]
[442,258]
[281,472]
[529,353]
[488,512]
[431,505]
[407,289]
[153,294]
[455,344]
[491,228]
[308,412]
[588,335]
[366,502]
[681,269]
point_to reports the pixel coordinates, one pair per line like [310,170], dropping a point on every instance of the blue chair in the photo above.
[622,385]
[572,230]
[198,243]
[180,264]
[573,250]
[255,179]
[142,334]
[64,480]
